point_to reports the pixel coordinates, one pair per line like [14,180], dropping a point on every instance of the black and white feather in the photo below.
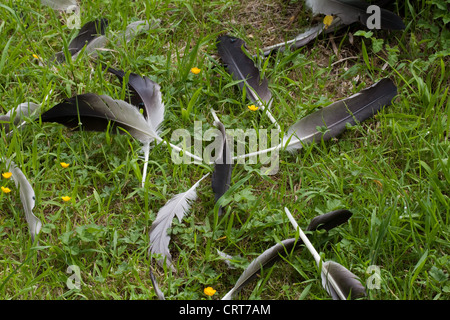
[337,280]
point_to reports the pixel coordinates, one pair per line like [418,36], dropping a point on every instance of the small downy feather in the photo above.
[27,197]
[354,10]
[336,279]
[223,168]
[335,117]
[178,206]
[243,69]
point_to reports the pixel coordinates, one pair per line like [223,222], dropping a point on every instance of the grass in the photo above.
[392,171]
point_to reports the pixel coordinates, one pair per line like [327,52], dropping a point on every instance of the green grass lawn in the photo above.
[391,171]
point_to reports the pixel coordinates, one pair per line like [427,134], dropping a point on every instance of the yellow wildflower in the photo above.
[195,70]
[66,198]
[5,189]
[327,21]
[36,56]
[253,107]
[209,291]
[64,165]
[6,175]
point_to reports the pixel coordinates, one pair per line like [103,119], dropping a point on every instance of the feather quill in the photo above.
[223,168]
[27,197]
[339,282]
[354,10]
[178,206]
[145,93]
[242,68]
[158,292]
[335,117]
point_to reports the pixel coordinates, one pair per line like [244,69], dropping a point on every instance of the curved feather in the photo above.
[18,114]
[178,206]
[263,261]
[145,94]
[27,197]
[335,117]
[354,10]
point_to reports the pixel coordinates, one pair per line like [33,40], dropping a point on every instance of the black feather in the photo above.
[329,220]
[223,167]
[241,67]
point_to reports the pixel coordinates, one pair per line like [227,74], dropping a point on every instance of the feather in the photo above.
[178,206]
[270,256]
[335,117]
[60,5]
[27,197]
[329,220]
[354,10]
[243,69]
[223,167]
[263,261]
[336,279]
[90,35]
[146,93]
[96,112]
[340,282]
[158,292]
[18,114]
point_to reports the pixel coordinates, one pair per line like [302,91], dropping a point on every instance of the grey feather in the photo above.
[27,197]
[18,114]
[336,116]
[340,282]
[178,206]
[158,292]
[263,261]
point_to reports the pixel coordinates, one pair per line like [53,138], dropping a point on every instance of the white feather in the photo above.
[178,206]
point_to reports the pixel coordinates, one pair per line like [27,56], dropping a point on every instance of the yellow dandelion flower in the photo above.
[195,70]
[66,198]
[6,190]
[209,291]
[253,107]
[327,21]
[64,165]
[6,175]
